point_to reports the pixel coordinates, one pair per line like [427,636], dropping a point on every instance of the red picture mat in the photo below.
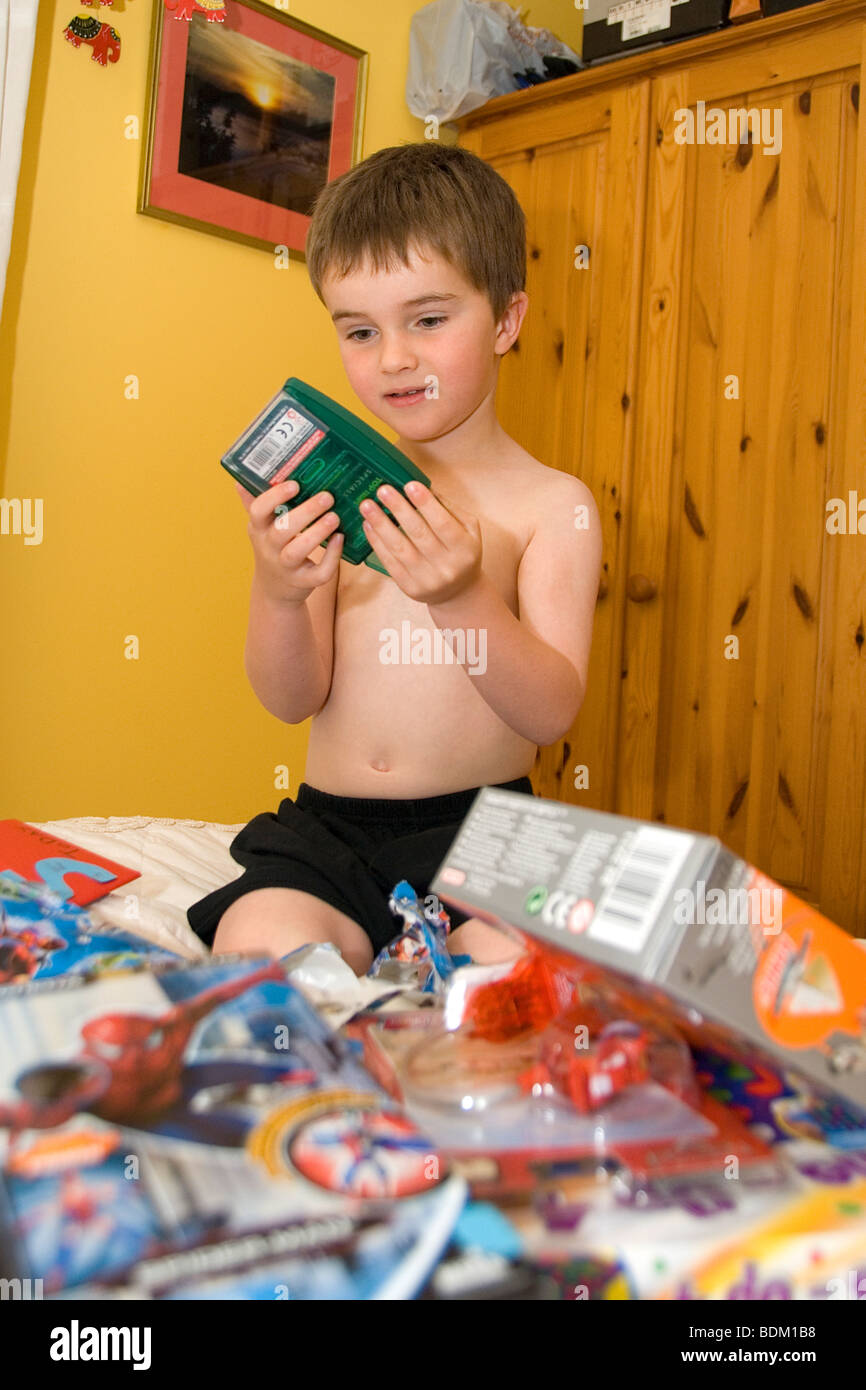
[42,858]
[206,202]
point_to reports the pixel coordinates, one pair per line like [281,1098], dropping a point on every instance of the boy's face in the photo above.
[422,326]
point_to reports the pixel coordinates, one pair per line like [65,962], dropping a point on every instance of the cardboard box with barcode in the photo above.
[611,29]
[676,916]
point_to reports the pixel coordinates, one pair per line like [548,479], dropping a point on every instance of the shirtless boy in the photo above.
[419,256]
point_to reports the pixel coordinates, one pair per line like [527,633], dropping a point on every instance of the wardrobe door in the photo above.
[578,168]
[744,703]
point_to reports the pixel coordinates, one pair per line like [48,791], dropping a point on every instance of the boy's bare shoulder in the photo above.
[517,462]
[545,492]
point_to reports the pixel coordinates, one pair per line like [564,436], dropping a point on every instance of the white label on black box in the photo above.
[642,16]
[628,909]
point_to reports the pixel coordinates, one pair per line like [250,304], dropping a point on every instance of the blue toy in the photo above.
[422,943]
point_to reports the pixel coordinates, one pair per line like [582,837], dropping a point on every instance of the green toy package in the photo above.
[325,448]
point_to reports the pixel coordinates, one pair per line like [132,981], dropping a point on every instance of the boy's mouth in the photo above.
[407,396]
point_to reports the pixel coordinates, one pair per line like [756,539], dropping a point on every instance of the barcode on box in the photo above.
[281,442]
[260,460]
[627,909]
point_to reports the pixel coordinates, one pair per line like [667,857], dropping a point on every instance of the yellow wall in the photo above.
[561,17]
[144,534]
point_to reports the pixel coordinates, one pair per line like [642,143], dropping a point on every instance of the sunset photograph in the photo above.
[255,122]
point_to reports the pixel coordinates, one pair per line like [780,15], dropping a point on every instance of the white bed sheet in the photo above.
[179,861]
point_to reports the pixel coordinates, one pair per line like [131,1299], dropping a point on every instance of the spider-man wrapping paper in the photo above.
[201,1133]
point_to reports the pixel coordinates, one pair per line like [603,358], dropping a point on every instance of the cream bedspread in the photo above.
[179,862]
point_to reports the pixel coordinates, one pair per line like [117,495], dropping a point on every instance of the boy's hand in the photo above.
[283,547]
[434,553]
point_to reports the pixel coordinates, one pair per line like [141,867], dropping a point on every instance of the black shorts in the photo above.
[350,851]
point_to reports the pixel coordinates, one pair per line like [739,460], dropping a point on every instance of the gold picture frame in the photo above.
[247,120]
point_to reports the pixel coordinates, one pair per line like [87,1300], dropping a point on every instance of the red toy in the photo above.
[590,1072]
[591,1076]
[526,999]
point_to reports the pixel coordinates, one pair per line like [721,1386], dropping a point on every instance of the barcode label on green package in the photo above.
[283,445]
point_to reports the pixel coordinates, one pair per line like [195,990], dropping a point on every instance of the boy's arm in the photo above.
[537,664]
[289,654]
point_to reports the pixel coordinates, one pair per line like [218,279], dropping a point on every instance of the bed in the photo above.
[179,862]
[673,1245]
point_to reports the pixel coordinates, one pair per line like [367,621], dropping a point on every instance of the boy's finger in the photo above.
[411,523]
[430,504]
[333,554]
[294,519]
[449,507]
[262,508]
[377,540]
[303,543]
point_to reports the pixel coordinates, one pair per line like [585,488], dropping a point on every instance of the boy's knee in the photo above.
[253,923]
[485,944]
[275,921]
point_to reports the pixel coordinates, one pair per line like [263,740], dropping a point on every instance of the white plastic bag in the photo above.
[464,52]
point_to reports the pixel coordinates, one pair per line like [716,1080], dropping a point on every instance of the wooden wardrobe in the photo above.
[701,364]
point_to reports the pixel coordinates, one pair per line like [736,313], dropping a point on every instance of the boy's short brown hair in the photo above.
[428,195]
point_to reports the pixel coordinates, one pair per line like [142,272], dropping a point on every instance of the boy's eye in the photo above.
[428,321]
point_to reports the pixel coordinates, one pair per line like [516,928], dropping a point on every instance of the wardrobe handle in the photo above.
[639,588]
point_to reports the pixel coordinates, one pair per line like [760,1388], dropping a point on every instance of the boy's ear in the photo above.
[509,325]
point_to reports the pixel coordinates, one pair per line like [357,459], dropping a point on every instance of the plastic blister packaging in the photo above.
[528,1068]
[585,1078]
[590,1062]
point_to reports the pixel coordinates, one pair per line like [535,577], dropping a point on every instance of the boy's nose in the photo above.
[397,352]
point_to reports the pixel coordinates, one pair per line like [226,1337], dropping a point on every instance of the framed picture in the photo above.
[247,122]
